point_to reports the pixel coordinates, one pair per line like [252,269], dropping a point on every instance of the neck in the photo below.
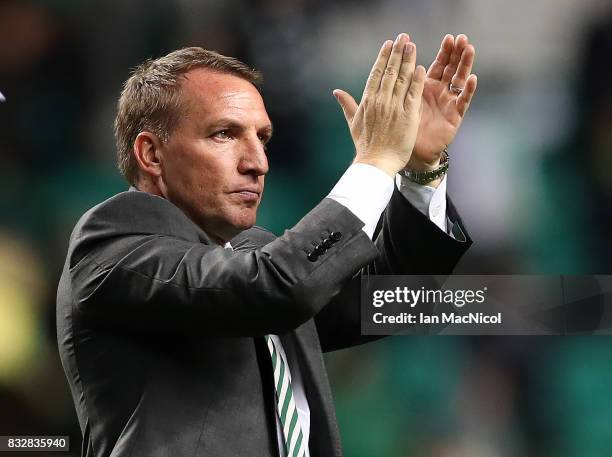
[150,187]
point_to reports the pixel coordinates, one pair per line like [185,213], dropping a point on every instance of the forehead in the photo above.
[209,94]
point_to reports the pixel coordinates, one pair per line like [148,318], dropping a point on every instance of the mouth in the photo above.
[249,194]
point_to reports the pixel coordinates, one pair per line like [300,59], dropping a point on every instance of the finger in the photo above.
[464,100]
[465,66]
[378,69]
[416,88]
[347,103]
[460,43]
[393,65]
[441,61]
[406,70]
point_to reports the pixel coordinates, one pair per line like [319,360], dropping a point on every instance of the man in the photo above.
[186,331]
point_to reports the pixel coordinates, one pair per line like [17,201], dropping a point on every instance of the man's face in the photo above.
[214,163]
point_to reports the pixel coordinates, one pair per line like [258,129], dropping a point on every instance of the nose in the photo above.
[254,160]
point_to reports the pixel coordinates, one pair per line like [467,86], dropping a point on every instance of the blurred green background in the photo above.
[530,175]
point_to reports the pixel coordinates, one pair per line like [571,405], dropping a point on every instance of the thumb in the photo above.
[347,103]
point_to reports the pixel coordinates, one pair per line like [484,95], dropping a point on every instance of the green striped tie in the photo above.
[285,404]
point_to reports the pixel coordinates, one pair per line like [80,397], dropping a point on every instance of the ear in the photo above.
[147,148]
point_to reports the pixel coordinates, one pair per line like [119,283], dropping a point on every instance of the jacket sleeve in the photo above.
[136,263]
[409,244]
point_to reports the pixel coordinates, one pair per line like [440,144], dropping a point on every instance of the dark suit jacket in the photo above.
[161,331]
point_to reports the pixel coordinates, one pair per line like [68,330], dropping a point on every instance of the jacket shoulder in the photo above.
[135,212]
[131,213]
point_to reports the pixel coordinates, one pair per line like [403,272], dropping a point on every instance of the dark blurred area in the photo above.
[530,175]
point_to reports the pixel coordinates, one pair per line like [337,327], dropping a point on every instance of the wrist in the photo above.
[430,176]
[417,164]
[390,166]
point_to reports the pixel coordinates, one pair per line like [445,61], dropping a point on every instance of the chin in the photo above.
[244,221]
[245,224]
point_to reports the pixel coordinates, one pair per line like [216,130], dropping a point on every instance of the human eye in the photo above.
[222,135]
[264,138]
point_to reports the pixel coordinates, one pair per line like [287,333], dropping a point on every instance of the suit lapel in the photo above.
[267,379]
[324,433]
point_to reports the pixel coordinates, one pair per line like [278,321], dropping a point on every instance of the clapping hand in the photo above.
[384,125]
[449,88]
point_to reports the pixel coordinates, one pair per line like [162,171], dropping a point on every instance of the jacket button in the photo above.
[327,243]
[335,236]
[319,250]
[313,256]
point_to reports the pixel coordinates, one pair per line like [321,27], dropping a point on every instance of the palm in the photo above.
[440,120]
[442,110]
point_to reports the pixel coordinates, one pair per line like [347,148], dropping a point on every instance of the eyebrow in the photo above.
[232,124]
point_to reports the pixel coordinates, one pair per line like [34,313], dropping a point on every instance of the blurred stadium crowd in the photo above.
[529,172]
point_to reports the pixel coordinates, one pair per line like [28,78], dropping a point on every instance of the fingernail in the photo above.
[399,37]
[409,48]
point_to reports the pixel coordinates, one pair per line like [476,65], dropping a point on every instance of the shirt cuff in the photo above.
[431,201]
[365,191]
